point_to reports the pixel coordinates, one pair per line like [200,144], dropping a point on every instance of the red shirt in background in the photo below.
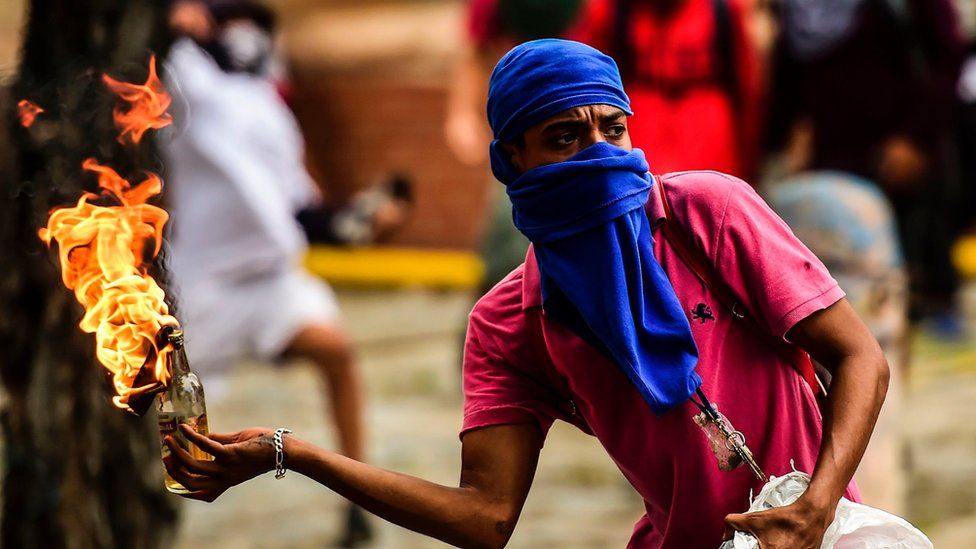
[522,367]
[685,115]
[485,30]
[482,22]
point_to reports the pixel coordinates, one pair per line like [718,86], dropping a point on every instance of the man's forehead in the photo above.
[583,113]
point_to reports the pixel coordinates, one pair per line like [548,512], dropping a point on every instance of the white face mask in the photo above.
[248,47]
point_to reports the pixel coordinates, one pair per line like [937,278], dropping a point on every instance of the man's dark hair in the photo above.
[228,10]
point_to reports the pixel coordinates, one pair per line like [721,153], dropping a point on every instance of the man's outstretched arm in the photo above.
[838,339]
[497,467]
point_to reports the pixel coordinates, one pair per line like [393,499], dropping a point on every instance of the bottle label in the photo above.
[167,426]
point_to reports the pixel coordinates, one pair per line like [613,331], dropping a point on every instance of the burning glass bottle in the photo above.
[181,402]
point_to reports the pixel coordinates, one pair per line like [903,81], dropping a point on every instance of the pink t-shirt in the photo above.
[522,367]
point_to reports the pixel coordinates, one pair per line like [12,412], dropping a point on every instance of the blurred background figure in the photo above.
[693,76]
[863,104]
[236,168]
[493,27]
[868,87]
[848,222]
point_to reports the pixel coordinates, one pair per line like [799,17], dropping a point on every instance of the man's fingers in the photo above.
[194,482]
[729,533]
[206,444]
[179,458]
[170,442]
[738,522]
[201,467]
[188,480]
[224,438]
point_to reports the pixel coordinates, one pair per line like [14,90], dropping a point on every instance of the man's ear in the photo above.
[514,153]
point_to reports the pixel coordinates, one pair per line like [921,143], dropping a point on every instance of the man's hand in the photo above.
[467,137]
[238,457]
[191,18]
[800,525]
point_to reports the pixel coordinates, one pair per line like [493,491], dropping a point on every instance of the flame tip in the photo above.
[28,112]
[145,108]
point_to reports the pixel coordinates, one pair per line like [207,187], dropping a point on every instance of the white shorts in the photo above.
[254,318]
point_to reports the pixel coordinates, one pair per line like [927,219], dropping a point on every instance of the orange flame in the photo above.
[28,111]
[145,105]
[102,255]
[105,249]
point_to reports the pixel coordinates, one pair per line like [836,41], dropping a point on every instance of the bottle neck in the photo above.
[178,363]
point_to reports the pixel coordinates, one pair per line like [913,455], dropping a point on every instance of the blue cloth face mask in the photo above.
[585,217]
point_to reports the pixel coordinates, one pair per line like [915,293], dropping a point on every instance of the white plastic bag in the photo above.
[855,526]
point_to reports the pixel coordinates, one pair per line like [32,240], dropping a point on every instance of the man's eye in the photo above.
[616,131]
[565,139]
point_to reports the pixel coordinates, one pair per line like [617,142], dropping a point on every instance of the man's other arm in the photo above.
[838,339]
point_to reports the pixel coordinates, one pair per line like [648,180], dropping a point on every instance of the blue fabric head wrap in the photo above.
[585,217]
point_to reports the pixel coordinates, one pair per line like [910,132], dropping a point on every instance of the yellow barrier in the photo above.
[396,267]
[964,256]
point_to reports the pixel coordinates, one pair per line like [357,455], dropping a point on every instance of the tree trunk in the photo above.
[78,472]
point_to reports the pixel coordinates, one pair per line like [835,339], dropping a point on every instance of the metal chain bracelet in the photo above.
[279,446]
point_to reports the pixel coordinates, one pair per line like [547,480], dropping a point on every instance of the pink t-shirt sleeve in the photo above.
[499,390]
[779,279]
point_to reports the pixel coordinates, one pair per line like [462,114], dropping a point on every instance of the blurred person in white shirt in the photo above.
[235,163]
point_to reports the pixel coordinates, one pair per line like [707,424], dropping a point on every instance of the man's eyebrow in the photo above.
[574,123]
[611,116]
[564,125]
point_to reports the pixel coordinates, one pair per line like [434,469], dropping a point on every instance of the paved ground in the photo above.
[410,347]
[410,355]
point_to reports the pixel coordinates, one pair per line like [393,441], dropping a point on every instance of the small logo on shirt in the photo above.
[701,313]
